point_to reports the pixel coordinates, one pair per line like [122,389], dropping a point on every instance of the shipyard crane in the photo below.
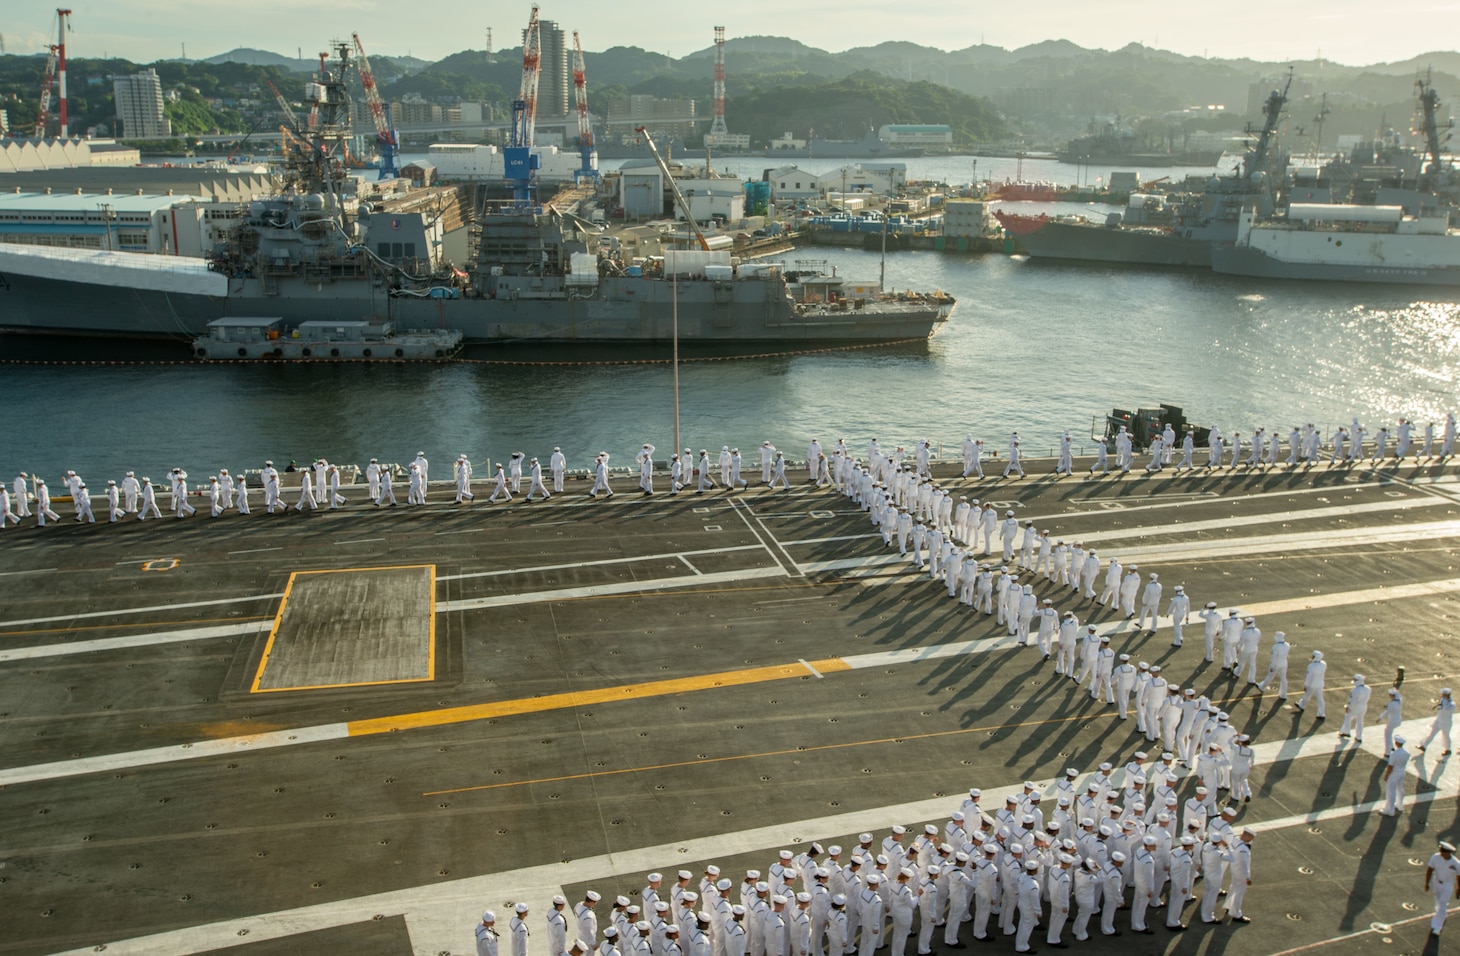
[674,187]
[385,135]
[517,159]
[585,125]
[48,79]
[285,110]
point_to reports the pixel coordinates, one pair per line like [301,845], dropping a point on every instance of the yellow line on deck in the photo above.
[430,625]
[605,695]
[273,632]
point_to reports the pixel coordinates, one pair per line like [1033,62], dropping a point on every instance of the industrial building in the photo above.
[166,225]
[924,136]
[27,154]
[140,112]
[794,183]
[467,162]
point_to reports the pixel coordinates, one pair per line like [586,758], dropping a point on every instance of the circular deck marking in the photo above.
[161,564]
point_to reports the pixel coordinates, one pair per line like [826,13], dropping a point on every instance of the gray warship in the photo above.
[1155,232]
[316,251]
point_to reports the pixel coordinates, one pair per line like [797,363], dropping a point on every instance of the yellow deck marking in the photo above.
[605,695]
[1232,701]
[279,617]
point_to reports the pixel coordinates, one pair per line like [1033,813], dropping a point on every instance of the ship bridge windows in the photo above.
[396,251]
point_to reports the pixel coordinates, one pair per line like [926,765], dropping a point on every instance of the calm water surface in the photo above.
[1033,346]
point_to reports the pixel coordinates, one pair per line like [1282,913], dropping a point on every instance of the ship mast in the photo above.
[1429,104]
[1256,160]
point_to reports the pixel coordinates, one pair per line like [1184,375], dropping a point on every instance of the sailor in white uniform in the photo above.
[1355,709]
[535,488]
[1444,717]
[500,489]
[558,465]
[1442,878]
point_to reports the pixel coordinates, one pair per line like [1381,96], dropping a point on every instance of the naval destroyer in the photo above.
[1154,232]
[535,274]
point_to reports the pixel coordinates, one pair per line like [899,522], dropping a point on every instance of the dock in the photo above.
[355,730]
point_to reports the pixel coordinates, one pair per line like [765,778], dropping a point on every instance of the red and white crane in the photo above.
[585,125]
[48,79]
[55,78]
[385,136]
[527,94]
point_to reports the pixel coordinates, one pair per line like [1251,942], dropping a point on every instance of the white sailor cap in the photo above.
[723,885]
[803,897]
[489,917]
[520,908]
[839,899]
[660,906]
[1447,847]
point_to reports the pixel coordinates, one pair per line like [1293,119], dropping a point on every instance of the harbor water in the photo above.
[1033,346]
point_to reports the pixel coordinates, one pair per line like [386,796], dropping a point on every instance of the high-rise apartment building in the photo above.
[139,106]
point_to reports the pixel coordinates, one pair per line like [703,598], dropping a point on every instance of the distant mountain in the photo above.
[254,57]
[1439,61]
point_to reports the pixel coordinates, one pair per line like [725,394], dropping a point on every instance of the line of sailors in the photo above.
[1007,872]
[1261,448]
[320,482]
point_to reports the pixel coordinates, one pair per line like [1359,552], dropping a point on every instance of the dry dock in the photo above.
[351,732]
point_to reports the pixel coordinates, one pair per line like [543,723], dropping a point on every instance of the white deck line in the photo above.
[440,915]
[132,640]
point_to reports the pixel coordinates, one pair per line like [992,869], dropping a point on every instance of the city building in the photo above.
[661,117]
[139,106]
[554,82]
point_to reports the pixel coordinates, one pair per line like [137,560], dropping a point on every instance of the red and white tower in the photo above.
[717,125]
[63,16]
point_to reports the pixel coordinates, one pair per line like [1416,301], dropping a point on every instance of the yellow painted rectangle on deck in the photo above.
[605,695]
[375,661]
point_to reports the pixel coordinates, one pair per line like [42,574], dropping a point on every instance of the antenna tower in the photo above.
[717,126]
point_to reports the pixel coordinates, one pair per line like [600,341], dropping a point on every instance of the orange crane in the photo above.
[385,136]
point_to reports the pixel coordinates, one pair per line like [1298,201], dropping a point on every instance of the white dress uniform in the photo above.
[486,939]
[1277,666]
[1241,871]
[1397,761]
[1313,684]
[1393,716]
[1355,709]
[1444,717]
[1442,875]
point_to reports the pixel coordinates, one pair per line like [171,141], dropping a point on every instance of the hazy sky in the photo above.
[1348,31]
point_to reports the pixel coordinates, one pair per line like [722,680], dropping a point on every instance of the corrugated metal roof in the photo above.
[70,202]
